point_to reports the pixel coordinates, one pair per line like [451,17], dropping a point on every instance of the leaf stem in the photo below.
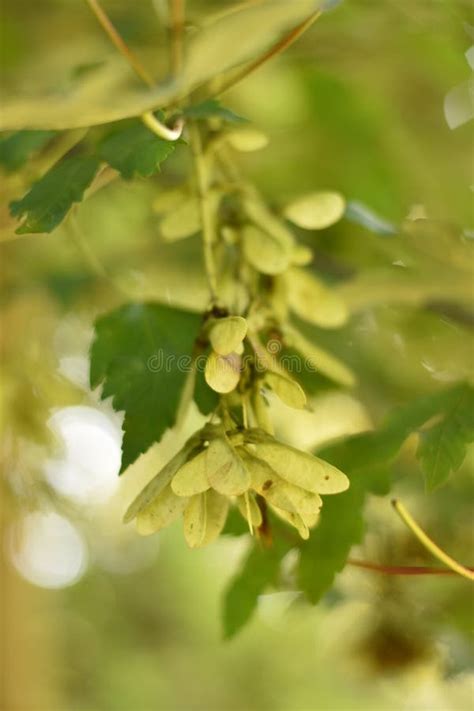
[119,43]
[430,545]
[168,134]
[161,130]
[275,50]
[400,569]
[177,16]
[207,217]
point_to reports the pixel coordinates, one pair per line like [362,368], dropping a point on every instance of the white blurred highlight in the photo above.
[47,550]
[91,441]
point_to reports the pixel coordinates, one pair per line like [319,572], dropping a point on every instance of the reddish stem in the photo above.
[401,569]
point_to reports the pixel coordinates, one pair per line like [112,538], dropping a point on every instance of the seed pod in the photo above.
[226,472]
[289,391]
[217,507]
[222,373]
[246,139]
[301,256]
[168,200]
[226,334]
[302,469]
[163,510]
[191,478]
[195,521]
[259,214]
[316,211]
[277,491]
[263,251]
[313,301]
[158,483]
[250,510]
[294,520]
[183,221]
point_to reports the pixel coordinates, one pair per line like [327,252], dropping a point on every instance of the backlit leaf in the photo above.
[289,391]
[182,221]
[316,211]
[302,469]
[313,301]
[226,334]
[222,373]
[263,251]
[195,521]
[226,471]
[163,510]
[192,478]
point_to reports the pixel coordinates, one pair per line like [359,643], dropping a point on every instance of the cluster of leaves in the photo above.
[270,287]
[366,458]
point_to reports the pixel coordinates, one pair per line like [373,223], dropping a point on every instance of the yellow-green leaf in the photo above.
[191,478]
[226,471]
[163,510]
[246,139]
[157,484]
[302,469]
[226,334]
[183,221]
[195,521]
[313,301]
[277,491]
[263,251]
[217,507]
[250,510]
[316,211]
[289,391]
[222,373]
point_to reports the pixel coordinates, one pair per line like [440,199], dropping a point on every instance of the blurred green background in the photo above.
[95,618]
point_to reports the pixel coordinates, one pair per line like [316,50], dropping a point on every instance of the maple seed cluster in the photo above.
[217,469]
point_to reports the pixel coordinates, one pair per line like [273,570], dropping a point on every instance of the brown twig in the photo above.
[119,43]
[400,569]
[275,50]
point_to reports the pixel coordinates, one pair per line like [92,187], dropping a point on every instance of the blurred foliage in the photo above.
[356,106]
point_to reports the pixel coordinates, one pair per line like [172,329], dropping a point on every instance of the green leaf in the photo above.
[205,397]
[16,148]
[134,150]
[259,570]
[235,525]
[442,448]
[340,527]
[135,354]
[52,196]
[211,108]
[366,459]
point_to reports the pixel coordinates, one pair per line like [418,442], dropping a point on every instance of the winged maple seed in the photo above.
[248,469]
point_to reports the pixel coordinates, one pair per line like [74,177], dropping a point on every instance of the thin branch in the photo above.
[177,16]
[400,569]
[119,43]
[207,218]
[430,545]
[277,49]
